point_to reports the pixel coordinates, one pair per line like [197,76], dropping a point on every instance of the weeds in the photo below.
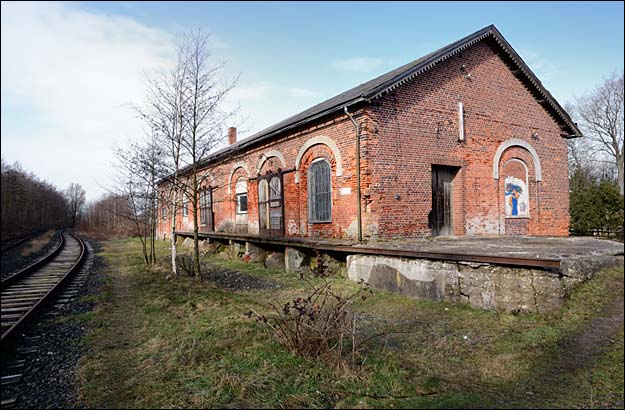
[185,262]
[319,325]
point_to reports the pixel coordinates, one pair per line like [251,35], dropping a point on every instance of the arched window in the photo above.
[319,192]
[240,219]
[263,188]
[241,192]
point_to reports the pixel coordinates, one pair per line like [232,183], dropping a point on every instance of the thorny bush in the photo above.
[320,325]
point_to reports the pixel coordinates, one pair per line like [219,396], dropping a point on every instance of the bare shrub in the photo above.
[320,325]
[320,270]
[185,262]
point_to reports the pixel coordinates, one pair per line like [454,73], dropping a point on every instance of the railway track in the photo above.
[27,293]
[15,242]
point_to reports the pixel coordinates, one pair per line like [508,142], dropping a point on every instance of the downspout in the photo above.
[358,209]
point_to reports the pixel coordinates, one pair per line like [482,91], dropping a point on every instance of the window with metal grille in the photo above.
[205,206]
[241,193]
[263,187]
[164,213]
[319,192]
[185,206]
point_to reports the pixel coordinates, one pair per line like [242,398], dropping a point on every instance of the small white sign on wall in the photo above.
[345,191]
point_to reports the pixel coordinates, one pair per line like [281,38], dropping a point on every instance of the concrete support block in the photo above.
[295,260]
[236,250]
[254,253]
[275,260]
[187,242]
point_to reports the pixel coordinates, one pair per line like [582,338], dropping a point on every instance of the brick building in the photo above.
[463,141]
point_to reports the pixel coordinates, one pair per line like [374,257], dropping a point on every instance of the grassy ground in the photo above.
[183,343]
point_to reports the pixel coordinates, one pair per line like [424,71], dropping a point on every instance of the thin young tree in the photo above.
[139,167]
[204,119]
[165,114]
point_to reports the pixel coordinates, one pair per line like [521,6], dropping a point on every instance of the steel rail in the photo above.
[13,243]
[8,336]
[33,266]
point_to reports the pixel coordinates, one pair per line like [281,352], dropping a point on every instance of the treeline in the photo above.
[595,204]
[108,217]
[29,204]
[596,161]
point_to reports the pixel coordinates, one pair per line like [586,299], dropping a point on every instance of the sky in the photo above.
[72,71]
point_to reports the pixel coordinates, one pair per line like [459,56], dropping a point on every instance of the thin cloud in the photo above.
[251,92]
[357,65]
[543,68]
[72,74]
[303,92]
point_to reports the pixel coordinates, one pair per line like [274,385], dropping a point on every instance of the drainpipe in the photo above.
[358,210]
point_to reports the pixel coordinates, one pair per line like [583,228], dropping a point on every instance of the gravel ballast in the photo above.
[49,379]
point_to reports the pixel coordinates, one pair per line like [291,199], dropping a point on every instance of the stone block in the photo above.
[295,260]
[275,260]
[187,242]
[254,253]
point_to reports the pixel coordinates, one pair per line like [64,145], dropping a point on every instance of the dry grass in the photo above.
[186,343]
[37,244]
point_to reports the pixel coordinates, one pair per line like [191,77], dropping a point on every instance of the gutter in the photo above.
[358,208]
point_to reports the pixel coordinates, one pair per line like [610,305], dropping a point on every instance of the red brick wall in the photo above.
[403,134]
[416,126]
[340,130]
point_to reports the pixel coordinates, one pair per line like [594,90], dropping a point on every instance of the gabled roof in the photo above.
[385,83]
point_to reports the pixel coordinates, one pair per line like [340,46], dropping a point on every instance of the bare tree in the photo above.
[184,110]
[204,119]
[165,115]
[76,196]
[601,118]
[138,169]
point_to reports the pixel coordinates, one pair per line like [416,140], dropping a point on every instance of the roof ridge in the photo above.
[390,80]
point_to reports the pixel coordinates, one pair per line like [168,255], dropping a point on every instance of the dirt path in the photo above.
[584,349]
[580,353]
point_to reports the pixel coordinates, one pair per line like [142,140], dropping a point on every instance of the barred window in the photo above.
[263,187]
[205,206]
[241,193]
[164,213]
[319,192]
[185,205]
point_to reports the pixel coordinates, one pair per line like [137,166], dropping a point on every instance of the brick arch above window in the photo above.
[321,139]
[271,154]
[207,178]
[234,169]
[512,162]
[515,142]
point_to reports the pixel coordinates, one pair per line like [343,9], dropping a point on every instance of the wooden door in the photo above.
[271,205]
[441,217]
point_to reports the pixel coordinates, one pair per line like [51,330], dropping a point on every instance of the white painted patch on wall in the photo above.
[345,191]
